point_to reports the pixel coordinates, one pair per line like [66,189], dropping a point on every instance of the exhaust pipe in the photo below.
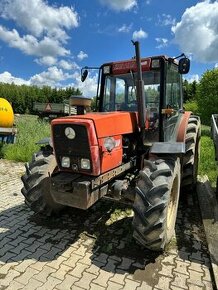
[140,93]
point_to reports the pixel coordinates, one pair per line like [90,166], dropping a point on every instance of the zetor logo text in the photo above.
[130,65]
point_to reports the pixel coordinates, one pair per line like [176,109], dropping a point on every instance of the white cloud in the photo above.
[51,77]
[162,42]
[192,78]
[54,77]
[120,5]
[125,28]
[165,20]
[29,45]
[51,61]
[216,65]
[46,60]
[6,77]
[81,55]
[197,32]
[108,29]
[139,34]
[37,17]
[43,30]
[68,65]
[89,87]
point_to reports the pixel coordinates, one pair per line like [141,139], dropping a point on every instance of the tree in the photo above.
[190,90]
[207,95]
[193,89]
[22,97]
[185,90]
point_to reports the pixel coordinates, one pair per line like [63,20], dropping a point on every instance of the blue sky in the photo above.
[47,42]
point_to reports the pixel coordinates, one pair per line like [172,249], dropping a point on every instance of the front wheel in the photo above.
[156,202]
[36,189]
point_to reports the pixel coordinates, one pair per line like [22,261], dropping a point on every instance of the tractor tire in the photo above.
[36,189]
[156,202]
[192,151]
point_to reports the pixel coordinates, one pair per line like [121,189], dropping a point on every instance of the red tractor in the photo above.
[139,147]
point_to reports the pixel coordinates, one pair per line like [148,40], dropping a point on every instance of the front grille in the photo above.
[76,148]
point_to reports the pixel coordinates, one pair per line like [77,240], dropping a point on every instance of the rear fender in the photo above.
[183,127]
[178,147]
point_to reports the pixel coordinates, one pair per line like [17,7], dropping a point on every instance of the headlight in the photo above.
[109,143]
[155,63]
[85,163]
[65,162]
[106,69]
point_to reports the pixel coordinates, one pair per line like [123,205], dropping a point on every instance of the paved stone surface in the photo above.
[93,249]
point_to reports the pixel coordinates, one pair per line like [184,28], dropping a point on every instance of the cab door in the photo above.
[173,102]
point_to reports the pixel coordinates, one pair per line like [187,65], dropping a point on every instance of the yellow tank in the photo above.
[6,114]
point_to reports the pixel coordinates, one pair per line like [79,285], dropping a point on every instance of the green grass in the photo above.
[207,165]
[30,130]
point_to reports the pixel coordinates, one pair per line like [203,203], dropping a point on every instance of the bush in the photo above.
[207,96]
[22,97]
[30,130]
[192,106]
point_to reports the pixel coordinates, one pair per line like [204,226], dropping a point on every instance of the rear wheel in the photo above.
[156,202]
[192,151]
[36,187]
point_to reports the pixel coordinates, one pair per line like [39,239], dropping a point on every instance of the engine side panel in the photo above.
[111,159]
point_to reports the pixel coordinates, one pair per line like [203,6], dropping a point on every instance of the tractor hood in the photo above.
[106,123]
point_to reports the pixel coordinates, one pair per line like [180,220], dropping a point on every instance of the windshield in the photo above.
[120,92]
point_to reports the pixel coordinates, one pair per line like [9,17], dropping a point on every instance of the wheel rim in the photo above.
[172,206]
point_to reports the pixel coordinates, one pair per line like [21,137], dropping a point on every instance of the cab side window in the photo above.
[173,92]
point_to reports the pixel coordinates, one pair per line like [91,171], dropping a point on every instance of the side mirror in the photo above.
[84,75]
[184,65]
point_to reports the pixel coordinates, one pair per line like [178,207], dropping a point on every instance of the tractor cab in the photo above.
[162,87]
[119,91]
